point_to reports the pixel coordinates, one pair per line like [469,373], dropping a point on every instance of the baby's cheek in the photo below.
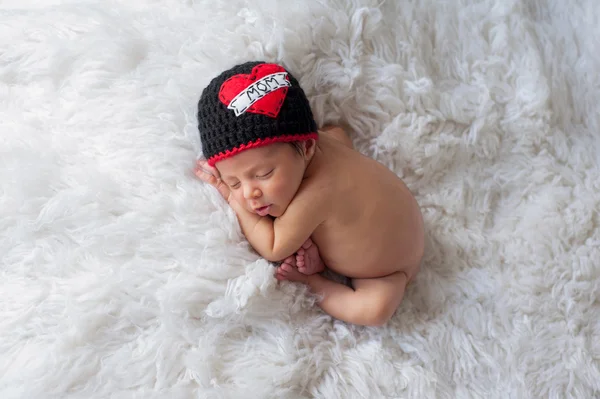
[283,189]
[239,197]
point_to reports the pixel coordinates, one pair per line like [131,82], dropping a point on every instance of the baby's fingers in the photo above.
[205,176]
[210,169]
[210,175]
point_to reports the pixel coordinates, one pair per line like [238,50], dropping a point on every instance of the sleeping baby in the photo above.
[304,198]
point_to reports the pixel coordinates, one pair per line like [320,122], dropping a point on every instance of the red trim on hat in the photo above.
[260,143]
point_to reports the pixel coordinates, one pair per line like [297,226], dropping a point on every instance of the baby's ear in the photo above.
[309,146]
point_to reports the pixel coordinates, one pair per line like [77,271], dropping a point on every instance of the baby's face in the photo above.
[264,179]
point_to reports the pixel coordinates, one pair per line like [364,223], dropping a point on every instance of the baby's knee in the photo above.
[378,319]
[380,310]
[382,313]
[380,297]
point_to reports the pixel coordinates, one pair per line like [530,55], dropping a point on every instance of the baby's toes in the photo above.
[290,260]
[286,268]
[300,252]
[280,277]
[280,274]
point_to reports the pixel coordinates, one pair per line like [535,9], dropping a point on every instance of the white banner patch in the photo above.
[258,90]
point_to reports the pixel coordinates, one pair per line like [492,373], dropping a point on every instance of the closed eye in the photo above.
[266,174]
[234,186]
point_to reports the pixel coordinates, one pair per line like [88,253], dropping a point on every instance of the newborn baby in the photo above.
[305,197]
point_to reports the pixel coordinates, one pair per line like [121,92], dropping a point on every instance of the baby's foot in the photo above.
[288,272]
[290,260]
[308,259]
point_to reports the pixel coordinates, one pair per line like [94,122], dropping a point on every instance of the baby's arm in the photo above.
[258,230]
[305,213]
[276,239]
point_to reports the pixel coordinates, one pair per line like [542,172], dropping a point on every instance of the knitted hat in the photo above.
[251,105]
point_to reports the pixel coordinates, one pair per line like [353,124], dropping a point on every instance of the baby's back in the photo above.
[374,227]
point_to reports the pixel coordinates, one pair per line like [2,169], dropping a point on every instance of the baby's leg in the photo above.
[372,302]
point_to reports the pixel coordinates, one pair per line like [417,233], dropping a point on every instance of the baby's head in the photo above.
[257,129]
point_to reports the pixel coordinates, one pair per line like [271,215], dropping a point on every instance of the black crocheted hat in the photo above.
[251,105]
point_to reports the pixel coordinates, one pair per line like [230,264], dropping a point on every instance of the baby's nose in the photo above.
[252,193]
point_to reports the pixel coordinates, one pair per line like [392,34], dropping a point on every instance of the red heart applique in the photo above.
[262,91]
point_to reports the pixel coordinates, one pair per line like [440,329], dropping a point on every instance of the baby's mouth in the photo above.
[263,211]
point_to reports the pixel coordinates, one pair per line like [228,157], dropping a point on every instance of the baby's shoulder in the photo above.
[316,187]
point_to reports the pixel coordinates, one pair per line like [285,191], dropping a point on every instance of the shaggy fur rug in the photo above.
[122,276]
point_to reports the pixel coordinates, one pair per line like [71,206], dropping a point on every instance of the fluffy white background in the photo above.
[122,276]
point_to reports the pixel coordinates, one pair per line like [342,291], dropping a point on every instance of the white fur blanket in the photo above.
[122,276]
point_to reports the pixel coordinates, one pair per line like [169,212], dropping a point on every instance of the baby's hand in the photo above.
[210,175]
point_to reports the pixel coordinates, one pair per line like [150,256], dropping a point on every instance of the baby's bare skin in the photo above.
[305,262]
[307,259]
[367,226]
[375,220]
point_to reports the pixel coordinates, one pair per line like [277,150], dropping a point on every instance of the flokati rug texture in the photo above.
[122,276]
